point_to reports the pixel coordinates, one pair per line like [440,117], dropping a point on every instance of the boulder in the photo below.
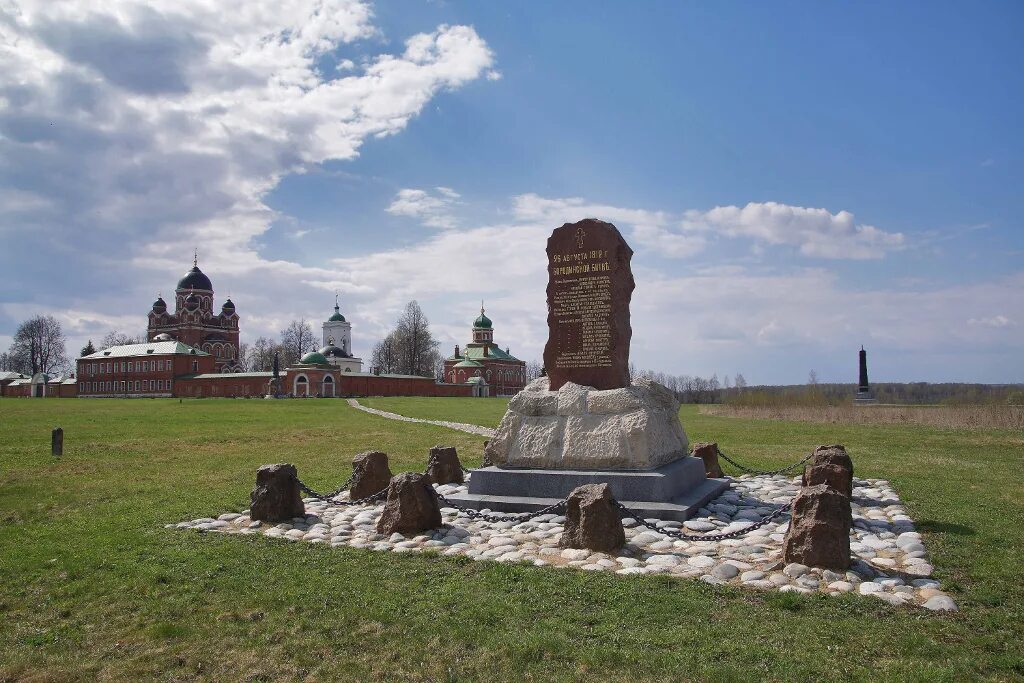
[443,466]
[370,474]
[591,521]
[276,497]
[819,528]
[411,506]
[579,427]
[830,465]
[708,452]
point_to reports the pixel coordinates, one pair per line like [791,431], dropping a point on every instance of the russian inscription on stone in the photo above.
[590,285]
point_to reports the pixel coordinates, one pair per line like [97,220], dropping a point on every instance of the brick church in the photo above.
[483,361]
[194,323]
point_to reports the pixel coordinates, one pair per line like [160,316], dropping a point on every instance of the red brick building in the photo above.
[140,370]
[168,368]
[193,321]
[503,373]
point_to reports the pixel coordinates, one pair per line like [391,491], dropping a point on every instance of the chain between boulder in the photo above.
[770,473]
[501,517]
[626,512]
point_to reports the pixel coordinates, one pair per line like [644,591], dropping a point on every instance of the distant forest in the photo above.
[890,392]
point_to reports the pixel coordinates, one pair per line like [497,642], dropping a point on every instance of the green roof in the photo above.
[337,317]
[314,358]
[468,364]
[151,349]
[482,322]
[493,353]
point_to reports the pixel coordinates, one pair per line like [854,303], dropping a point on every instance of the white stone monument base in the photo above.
[577,427]
[550,442]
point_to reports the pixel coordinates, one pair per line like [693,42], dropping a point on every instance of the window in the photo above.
[195,366]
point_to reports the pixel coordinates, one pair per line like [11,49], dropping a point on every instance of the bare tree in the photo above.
[116,338]
[38,346]
[296,340]
[533,370]
[384,359]
[259,356]
[740,381]
[417,348]
[812,378]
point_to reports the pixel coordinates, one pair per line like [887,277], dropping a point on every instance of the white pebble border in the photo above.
[890,560]
[461,426]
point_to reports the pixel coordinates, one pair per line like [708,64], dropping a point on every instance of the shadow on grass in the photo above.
[944,528]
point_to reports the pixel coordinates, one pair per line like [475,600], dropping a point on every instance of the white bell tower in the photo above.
[338,329]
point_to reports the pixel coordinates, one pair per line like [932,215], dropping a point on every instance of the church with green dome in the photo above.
[484,362]
[337,342]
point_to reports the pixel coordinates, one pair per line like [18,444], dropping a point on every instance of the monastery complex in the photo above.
[194,352]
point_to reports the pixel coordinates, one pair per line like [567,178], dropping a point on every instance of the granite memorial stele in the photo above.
[585,422]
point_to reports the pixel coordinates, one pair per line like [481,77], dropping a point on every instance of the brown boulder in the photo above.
[708,452]
[591,521]
[411,506]
[276,497]
[819,528]
[370,474]
[830,465]
[443,466]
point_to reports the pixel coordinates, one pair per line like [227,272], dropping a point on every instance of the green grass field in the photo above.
[92,587]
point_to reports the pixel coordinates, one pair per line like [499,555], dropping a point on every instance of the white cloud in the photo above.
[996,321]
[817,232]
[432,209]
[133,130]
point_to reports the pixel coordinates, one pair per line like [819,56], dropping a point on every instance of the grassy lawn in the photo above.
[92,587]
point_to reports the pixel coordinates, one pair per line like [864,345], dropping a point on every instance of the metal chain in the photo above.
[689,537]
[325,496]
[504,517]
[751,470]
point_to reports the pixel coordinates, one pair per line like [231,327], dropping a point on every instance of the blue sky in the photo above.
[796,178]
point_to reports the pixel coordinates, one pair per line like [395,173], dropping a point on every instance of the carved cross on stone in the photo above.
[580,234]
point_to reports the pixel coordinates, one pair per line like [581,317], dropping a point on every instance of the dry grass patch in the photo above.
[943,417]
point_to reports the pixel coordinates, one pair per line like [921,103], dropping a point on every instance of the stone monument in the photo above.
[274,385]
[864,395]
[585,422]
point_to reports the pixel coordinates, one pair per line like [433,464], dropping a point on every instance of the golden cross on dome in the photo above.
[481,306]
[195,258]
[580,234]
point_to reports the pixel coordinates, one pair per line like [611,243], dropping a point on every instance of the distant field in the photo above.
[946,417]
[93,588]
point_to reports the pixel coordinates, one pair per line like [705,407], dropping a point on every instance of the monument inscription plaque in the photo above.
[590,285]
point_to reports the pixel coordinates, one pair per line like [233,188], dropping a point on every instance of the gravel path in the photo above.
[461,426]
[890,562]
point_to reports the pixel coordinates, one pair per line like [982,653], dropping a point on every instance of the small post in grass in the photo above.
[57,442]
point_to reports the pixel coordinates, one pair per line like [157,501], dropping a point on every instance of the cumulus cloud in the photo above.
[133,130]
[816,232]
[433,209]
[648,228]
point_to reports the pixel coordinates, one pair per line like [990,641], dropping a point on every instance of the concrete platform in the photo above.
[672,492]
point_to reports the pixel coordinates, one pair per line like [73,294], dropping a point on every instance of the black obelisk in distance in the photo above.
[863,387]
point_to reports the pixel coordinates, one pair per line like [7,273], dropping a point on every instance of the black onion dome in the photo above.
[332,351]
[229,306]
[160,305]
[195,279]
[192,301]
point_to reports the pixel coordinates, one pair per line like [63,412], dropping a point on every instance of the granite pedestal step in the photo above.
[671,492]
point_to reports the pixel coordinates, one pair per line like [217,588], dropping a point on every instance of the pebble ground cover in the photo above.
[93,587]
